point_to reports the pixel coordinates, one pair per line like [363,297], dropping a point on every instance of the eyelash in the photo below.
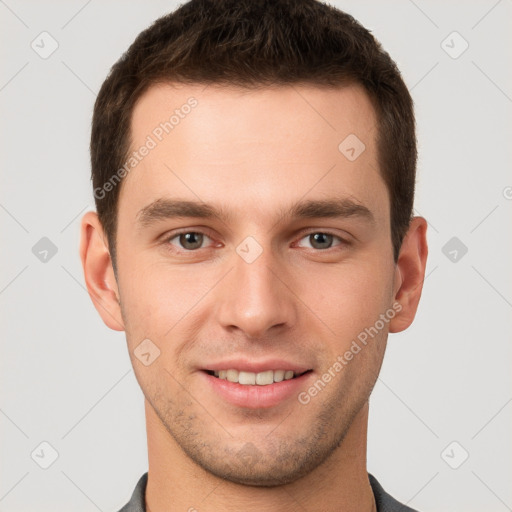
[168,238]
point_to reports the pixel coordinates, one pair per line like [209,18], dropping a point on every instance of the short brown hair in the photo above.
[253,44]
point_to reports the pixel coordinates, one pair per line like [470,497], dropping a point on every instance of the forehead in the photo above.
[246,147]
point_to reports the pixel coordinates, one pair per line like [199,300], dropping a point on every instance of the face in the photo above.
[251,246]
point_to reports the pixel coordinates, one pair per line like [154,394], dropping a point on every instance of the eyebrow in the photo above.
[165,208]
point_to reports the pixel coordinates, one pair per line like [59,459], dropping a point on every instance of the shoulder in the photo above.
[384,501]
[137,502]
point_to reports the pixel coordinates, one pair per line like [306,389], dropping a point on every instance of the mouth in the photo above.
[256,384]
[263,378]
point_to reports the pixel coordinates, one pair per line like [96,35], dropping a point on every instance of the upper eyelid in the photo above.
[170,236]
[327,231]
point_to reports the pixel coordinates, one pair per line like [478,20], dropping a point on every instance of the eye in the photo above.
[189,240]
[321,240]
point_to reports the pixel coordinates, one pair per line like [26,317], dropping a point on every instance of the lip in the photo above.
[255,396]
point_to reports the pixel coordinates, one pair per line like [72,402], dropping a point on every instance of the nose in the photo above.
[256,297]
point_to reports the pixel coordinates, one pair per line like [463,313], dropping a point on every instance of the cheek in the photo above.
[159,300]
[348,298]
[145,301]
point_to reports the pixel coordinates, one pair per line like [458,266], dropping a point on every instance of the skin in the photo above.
[255,153]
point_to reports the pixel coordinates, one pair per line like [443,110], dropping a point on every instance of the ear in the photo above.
[98,271]
[410,274]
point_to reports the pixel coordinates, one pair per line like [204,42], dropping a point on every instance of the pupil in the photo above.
[187,240]
[321,238]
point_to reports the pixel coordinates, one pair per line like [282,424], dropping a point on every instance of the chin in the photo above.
[270,477]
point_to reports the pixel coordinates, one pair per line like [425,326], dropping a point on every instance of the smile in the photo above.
[264,378]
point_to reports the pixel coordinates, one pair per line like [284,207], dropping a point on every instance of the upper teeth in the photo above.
[251,378]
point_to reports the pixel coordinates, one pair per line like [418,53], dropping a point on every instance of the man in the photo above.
[253,164]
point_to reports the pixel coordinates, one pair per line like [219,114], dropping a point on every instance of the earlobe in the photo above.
[410,274]
[98,271]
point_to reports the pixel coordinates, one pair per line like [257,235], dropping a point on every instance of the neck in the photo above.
[175,482]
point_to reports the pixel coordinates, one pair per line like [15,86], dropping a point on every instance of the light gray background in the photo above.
[67,379]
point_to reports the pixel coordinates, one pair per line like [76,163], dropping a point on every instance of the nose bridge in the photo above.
[255,299]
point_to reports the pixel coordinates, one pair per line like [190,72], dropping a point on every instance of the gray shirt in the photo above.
[385,502]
